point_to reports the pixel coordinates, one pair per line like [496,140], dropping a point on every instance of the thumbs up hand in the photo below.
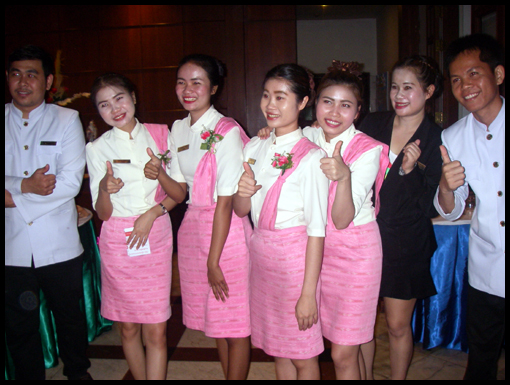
[109,183]
[412,153]
[39,183]
[335,168]
[453,173]
[153,166]
[247,184]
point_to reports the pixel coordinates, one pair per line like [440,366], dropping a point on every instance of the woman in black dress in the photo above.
[406,199]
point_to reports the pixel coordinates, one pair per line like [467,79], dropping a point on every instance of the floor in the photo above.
[192,356]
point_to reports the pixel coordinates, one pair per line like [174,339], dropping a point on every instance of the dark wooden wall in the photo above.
[146,43]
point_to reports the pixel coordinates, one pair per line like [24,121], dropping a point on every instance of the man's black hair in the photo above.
[32,52]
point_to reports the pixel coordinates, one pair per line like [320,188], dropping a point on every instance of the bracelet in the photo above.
[401,171]
[165,211]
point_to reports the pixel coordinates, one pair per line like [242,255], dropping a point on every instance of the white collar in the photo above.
[291,137]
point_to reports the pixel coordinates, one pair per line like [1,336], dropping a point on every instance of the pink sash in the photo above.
[204,182]
[270,207]
[360,144]
[159,133]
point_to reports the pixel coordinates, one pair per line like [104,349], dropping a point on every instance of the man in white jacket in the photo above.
[44,165]
[474,153]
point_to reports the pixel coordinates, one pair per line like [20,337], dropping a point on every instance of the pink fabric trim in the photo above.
[270,207]
[159,133]
[360,144]
[204,182]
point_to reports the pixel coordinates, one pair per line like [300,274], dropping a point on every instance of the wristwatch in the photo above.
[165,211]
[401,171]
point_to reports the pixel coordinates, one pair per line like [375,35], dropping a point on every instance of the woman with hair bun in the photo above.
[351,269]
[207,159]
[406,198]
[288,202]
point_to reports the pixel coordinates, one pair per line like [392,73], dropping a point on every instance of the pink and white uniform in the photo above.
[286,211]
[209,175]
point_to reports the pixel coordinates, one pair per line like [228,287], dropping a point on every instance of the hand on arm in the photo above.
[143,224]
[264,133]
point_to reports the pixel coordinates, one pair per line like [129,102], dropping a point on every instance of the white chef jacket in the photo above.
[481,151]
[363,171]
[45,227]
[128,158]
[185,142]
[304,195]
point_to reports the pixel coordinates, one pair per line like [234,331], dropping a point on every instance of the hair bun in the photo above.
[353,67]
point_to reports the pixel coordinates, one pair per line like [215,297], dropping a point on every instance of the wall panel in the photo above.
[146,43]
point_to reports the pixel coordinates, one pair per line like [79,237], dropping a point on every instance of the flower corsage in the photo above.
[165,158]
[282,162]
[210,138]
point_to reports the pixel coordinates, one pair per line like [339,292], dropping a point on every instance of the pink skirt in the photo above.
[351,278]
[136,289]
[201,310]
[278,268]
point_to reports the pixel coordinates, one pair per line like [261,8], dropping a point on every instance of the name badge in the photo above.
[121,161]
[252,161]
[421,166]
[183,148]
[48,143]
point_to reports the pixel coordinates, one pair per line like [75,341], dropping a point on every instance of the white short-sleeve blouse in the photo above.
[185,143]
[304,195]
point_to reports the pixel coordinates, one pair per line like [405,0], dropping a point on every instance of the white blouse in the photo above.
[304,195]
[363,170]
[128,158]
[185,143]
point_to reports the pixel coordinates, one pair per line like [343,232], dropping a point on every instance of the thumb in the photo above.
[43,170]
[109,169]
[248,170]
[151,154]
[338,148]
[444,154]
[418,141]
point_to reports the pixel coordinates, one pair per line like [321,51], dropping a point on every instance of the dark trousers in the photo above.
[62,286]
[486,333]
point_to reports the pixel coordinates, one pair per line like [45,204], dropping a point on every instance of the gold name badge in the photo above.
[183,148]
[252,161]
[115,161]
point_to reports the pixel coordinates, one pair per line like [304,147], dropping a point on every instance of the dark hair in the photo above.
[213,67]
[345,74]
[299,78]
[491,52]
[110,79]
[32,52]
[427,71]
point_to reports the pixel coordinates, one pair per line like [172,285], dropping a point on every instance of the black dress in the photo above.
[404,218]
